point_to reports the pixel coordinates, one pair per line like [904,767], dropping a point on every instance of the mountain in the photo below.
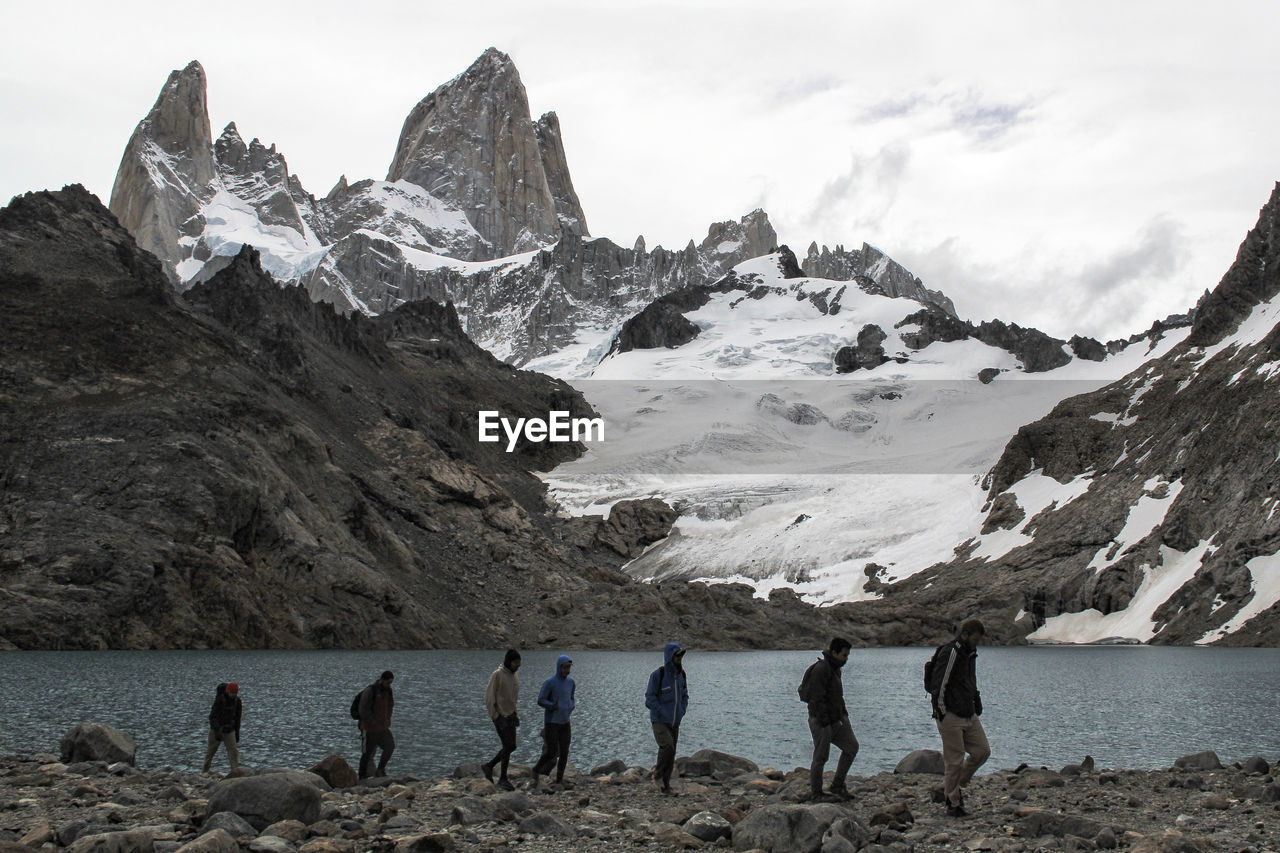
[1145,510]
[478,208]
[237,466]
[817,435]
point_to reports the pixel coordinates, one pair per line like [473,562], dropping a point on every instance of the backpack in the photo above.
[807,688]
[933,671]
[355,706]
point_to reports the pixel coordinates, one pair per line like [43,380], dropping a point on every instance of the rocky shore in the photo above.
[50,802]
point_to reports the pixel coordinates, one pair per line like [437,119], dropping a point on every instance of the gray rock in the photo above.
[615,766]
[271,844]
[846,835]
[217,841]
[725,765]
[289,830]
[96,742]
[515,801]
[434,842]
[1207,760]
[1256,765]
[68,832]
[235,826]
[708,826]
[263,800]
[469,811]
[786,828]
[1106,839]
[922,761]
[547,824]
[130,841]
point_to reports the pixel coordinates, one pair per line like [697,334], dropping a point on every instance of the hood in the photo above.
[669,653]
[561,661]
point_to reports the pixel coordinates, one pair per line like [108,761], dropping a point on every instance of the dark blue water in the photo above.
[1129,707]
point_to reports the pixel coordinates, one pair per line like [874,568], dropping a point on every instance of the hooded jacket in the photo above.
[377,702]
[667,696]
[224,717]
[827,706]
[958,687]
[556,695]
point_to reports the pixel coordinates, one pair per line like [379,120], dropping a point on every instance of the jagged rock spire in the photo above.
[166,166]
[473,142]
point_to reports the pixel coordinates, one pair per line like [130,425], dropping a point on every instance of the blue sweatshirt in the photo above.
[556,695]
[667,697]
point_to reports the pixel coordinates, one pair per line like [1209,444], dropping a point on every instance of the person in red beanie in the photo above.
[224,725]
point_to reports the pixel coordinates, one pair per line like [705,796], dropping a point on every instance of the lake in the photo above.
[1133,707]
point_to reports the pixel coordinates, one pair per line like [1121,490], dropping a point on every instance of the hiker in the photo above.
[500,697]
[376,703]
[224,725]
[823,691]
[557,700]
[956,708]
[667,698]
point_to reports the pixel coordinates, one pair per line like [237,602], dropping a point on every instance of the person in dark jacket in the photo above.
[224,725]
[667,698]
[957,704]
[829,722]
[501,697]
[376,704]
[557,700]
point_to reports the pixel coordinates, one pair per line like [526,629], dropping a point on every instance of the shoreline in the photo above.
[52,805]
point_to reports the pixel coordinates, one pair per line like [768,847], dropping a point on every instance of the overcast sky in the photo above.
[1078,166]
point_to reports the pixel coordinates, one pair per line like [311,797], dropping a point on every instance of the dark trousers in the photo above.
[555,750]
[667,738]
[370,742]
[839,733]
[506,727]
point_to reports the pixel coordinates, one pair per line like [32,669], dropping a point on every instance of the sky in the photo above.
[1082,167]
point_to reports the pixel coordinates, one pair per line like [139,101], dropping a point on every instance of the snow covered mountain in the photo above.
[814,434]
[478,208]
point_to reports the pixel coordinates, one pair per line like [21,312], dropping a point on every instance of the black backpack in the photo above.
[933,671]
[355,706]
[806,688]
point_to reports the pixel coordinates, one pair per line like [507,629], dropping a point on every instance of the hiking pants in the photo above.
[840,734]
[506,727]
[961,735]
[667,738]
[555,750]
[370,743]
[233,753]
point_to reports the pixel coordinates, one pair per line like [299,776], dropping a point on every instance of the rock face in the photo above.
[472,142]
[166,168]
[874,272]
[267,473]
[1173,469]
[96,742]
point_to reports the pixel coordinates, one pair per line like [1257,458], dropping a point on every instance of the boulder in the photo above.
[515,801]
[96,742]
[708,826]
[845,835]
[922,761]
[217,841]
[547,824]
[337,772]
[234,825]
[434,842]
[132,841]
[895,816]
[1207,760]
[469,811]
[786,828]
[1169,841]
[1256,764]
[270,844]
[263,800]
[615,766]
[289,830]
[724,765]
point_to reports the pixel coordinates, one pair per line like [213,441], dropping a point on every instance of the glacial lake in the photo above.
[1128,706]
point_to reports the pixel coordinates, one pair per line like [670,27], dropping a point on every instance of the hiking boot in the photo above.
[505,785]
[487,770]
[956,811]
[840,792]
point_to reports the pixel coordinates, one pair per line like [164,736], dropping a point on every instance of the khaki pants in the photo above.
[667,738]
[233,754]
[961,735]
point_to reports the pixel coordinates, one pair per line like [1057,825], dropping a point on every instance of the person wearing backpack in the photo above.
[224,725]
[375,706]
[667,698]
[500,698]
[822,689]
[957,705]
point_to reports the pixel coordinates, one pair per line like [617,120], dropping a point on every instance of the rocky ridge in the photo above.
[722,801]
[263,471]
[1161,525]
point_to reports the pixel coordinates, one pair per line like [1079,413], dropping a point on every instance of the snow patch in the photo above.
[1035,493]
[1265,573]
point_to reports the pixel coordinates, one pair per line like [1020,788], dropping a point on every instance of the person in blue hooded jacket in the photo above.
[557,700]
[667,698]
